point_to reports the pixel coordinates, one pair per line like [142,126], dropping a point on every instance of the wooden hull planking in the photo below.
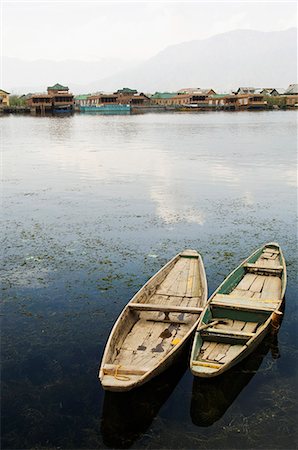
[155,325]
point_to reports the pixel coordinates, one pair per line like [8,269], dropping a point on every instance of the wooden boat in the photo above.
[155,324]
[239,313]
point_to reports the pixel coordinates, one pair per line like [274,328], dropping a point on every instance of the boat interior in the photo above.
[158,318]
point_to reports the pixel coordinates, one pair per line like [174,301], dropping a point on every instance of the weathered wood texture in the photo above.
[255,298]
[265,285]
[156,321]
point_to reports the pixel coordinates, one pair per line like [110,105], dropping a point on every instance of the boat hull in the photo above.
[106,109]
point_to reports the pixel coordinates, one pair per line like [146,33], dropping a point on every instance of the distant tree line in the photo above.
[17,100]
[272,101]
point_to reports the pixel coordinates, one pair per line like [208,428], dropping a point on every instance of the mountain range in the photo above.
[223,62]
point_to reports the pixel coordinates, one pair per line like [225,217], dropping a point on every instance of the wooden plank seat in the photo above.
[208,364]
[228,298]
[255,268]
[165,294]
[114,369]
[245,303]
[189,254]
[243,307]
[165,308]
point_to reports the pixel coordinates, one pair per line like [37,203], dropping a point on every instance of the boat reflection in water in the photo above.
[211,397]
[127,415]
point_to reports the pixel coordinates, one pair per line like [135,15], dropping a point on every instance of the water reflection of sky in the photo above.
[93,207]
[177,162]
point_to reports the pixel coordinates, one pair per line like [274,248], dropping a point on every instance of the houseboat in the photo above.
[104,104]
[106,109]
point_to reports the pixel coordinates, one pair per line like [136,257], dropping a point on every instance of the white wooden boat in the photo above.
[239,313]
[155,324]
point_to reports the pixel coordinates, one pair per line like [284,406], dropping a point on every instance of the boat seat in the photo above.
[165,308]
[189,254]
[112,369]
[167,294]
[260,270]
[245,304]
[208,364]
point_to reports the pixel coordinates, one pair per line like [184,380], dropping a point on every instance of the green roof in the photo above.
[127,91]
[164,95]
[82,97]
[58,87]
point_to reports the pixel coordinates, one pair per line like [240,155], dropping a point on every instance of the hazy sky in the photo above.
[126,30]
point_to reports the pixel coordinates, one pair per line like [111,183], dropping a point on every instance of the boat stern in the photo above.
[117,378]
[205,370]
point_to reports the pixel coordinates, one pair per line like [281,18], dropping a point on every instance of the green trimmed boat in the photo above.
[240,312]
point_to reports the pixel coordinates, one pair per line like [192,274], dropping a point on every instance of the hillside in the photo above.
[225,61]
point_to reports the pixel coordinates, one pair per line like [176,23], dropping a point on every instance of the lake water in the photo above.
[93,206]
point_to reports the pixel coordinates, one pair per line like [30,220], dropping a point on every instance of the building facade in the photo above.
[291,95]
[57,100]
[4,98]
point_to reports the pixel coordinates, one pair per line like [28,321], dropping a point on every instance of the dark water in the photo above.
[93,206]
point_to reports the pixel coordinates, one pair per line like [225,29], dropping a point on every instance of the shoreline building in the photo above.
[4,98]
[189,97]
[123,96]
[132,97]
[57,100]
[291,95]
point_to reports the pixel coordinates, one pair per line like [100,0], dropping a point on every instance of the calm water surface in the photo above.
[94,206]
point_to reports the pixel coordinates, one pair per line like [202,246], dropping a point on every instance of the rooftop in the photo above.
[164,95]
[245,90]
[82,97]
[126,90]
[58,87]
[188,90]
[292,89]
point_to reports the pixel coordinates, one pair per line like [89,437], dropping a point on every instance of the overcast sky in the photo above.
[126,30]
